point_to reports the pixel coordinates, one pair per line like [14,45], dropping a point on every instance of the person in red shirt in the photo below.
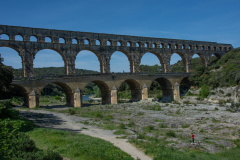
[192,138]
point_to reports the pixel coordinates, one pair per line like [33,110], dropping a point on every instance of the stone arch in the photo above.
[183,59]
[61,40]
[136,92]
[128,57]
[167,88]
[96,54]
[185,85]
[24,93]
[129,44]
[105,91]
[86,41]
[5,36]
[160,58]
[74,41]
[19,53]
[217,55]
[33,38]
[53,49]
[98,42]
[19,37]
[66,89]
[201,57]
[48,39]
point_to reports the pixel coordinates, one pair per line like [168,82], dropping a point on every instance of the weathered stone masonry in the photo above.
[104,45]
[69,43]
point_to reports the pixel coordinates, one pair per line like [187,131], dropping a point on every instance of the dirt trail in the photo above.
[67,122]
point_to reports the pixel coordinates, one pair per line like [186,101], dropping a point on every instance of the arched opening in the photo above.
[13,59]
[178,63]
[4,37]
[190,47]
[197,61]
[33,39]
[55,94]
[150,64]
[196,47]
[48,62]
[137,44]
[87,62]
[91,94]
[154,45]
[202,47]
[19,95]
[109,43]
[74,41]
[183,47]
[214,58]
[146,45]
[98,42]
[184,87]
[18,38]
[99,90]
[161,90]
[119,43]
[176,46]
[86,42]
[129,90]
[129,44]
[169,46]
[119,62]
[61,40]
[208,48]
[48,40]
[161,45]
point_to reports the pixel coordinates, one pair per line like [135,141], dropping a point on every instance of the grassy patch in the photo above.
[76,146]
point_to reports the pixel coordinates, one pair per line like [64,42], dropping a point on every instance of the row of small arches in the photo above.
[119,43]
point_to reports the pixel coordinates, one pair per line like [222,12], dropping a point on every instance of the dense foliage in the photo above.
[14,143]
[150,69]
[46,71]
[224,72]
[6,77]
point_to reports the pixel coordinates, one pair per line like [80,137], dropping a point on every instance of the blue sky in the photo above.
[203,20]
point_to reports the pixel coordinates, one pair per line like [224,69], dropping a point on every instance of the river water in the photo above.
[86,97]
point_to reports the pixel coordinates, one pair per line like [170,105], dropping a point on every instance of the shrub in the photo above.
[14,144]
[229,95]
[121,126]
[148,128]
[131,124]
[171,134]
[221,91]
[71,111]
[57,97]
[204,92]
[98,114]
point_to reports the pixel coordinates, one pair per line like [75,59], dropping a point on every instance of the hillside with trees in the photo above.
[224,72]
[54,71]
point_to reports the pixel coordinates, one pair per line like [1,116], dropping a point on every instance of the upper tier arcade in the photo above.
[69,43]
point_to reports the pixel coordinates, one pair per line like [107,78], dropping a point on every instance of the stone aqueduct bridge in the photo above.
[69,43]
[73,86]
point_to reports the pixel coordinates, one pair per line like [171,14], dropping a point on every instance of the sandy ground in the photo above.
[48,119]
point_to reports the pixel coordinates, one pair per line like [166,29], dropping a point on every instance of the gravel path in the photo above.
[48,119]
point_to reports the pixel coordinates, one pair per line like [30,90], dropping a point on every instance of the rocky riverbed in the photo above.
[215,126]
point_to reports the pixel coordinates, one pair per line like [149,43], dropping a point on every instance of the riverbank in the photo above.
[150,124]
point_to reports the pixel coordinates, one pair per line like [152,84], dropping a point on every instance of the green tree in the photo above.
[6,77]
[204,92]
